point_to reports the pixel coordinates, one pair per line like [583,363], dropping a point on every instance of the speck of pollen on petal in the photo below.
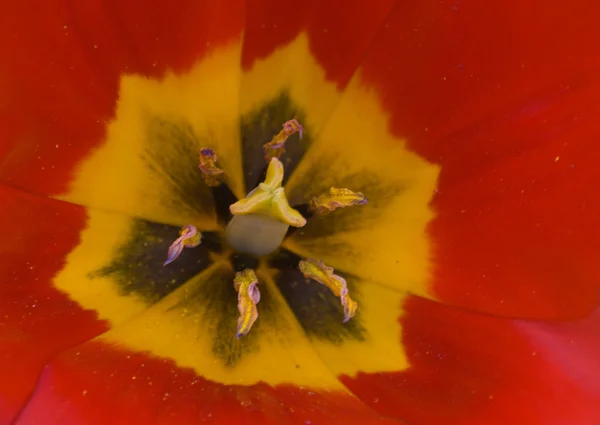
[260,222]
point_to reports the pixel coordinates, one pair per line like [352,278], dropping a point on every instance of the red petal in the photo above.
[505,96]
[99,384]
[471,369]
[36,320]
[61,70]
[339,31]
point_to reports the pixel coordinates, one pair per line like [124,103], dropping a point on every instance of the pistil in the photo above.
[262,218]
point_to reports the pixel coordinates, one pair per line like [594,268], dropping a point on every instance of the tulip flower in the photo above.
[304,212]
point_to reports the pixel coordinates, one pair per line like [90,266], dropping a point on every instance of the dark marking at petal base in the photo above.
[318,181]
[306,213]
[319,312]
[172,152]
[223,197]
[138,265]
[216,299]
[240,261]
[334,247]
[259,127]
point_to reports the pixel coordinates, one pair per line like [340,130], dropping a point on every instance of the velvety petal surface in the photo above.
[502,99]
[132,388]
[36,320]
[471,369]
[92,117]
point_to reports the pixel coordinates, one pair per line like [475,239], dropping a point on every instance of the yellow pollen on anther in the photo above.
[213,175]
[316,270]
[269,199]
[336,198]
[246,285]
[276,147]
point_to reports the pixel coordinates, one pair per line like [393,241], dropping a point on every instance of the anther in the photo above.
[212,175]
[246,285]
[316,270]
[336,198]
[276,147]
[189,237]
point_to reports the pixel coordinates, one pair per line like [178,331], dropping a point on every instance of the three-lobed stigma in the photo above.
[269,199]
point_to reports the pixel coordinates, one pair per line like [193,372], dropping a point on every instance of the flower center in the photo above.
[260,223]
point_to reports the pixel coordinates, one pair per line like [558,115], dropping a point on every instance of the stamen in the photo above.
[213,175]
[269,199]
[316,270]
[275,148]
[246,285]
[190,238]
[336,198]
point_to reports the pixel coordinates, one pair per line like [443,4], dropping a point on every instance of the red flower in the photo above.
[471,128]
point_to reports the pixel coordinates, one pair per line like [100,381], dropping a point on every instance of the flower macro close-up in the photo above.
[300,212]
